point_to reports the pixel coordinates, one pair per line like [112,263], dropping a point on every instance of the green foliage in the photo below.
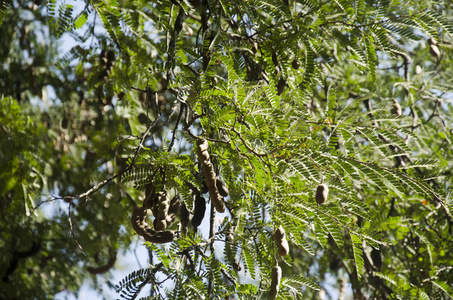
[289,95]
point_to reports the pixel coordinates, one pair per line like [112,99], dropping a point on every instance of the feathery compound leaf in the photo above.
[358,254]
[332,228]
[443,286]
[296,282]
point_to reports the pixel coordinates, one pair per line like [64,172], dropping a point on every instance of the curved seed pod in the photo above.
[222,187]
[160,225]
[104,268]
[209,175]
[163,205]
[396,108]
[174,205]
[184,215]
[199,210]
[138,220]
[170,219]
[158,237]
[275,283]
[321,193]
[280,240]
[155,208]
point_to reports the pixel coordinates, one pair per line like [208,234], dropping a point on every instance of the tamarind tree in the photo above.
[259,149]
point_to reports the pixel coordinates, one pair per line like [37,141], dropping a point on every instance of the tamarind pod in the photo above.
[155,209]
[138,220]
[222,187]
[283,247]
[199,210]
[163,206]
[209,175]
[280,240]
[279,233]
[170,219]
[159,237]
[396,108]
[321,193]
[275,283]
[204,187]
[160,224]
[217,201]
[202,150]
[434,50]
[104,268]
[174,205]
[184,215]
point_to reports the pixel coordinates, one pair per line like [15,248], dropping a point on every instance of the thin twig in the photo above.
[72,229]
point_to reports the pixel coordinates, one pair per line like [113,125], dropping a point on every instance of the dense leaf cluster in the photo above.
[288,94]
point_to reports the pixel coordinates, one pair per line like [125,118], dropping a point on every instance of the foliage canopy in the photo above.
[289,95]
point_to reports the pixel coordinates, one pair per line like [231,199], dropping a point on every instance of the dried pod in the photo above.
[396,108]
[275,283]
[158,237]
[103,269]
[174,205]
[321,193]
[184,215]
[274,58]
[434,50]
[199,210]
[160,225]
[170,219]
[281,85]
[418,69]
[138,220]
[155,208]
[295,64]
[163,205]
[209,175]
[222,187]
[280,240]
[64,123]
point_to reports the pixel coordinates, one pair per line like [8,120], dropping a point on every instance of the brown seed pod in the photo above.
[174,205]
[163,204]
[138,220]
[321,193]
[281,85]
[396,108]
[280,240]
[170,219]
[295,64]
[103,269]
[160,225]
[155,208]
[184,215]
[209,175]
[199,210]
[275,283]
[222,187]
[158,237]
